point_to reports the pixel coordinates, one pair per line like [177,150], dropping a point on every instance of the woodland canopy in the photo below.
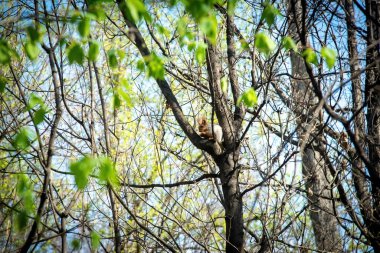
[190,126]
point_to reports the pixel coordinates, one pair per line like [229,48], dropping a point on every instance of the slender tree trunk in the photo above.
[115,216]
[372,96]
[358,170]
[47,166]
[314,169]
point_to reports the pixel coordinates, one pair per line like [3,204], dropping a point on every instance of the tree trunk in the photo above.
[229,176]
[372,96]
[314,169]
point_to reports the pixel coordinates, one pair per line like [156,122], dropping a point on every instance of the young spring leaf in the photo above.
[155,66]
[200,53]
[329,55]
[39,116]
[140,65]
[3,83]
[24,191]
[289,44]
[264,44]
[22,184]
[107,171]
[23,139]
[32,50]
[182,27]
[84,26]
[116,100]
[97,10]
[75,244]
[231,5]
[82,170]
[135,10]
[34,35]
[35,100]
[310,56]
[126,95]
[249,98]
[93,50]
[209,25]
[95,240]
[21,220]
[6,52]
[112,58]
[270,13]
[75,54]
[5,56]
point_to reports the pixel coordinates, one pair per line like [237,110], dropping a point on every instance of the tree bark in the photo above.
[229,176]
[314,169]
[372,97]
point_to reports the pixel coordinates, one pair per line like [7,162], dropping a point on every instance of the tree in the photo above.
[100,149]
[307,109]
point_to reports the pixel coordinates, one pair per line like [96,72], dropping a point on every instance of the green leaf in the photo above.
[21,220]
[264,44]
[289,44]
[84,26]
[62,42]
[135,10]
[35,100]
[23,184]
[209,25]
[28,200]
[198,8]
[141,65]
[3,83]
[126,97]
[163,30]
[6,52]
[34,35]
[82,170]
[107,171]
[310,56]
[329,55]
[249,98]
[75,54]
[32,50]
[93,50]
[112,59]
[24,191]
[182,26]
[200,53]
[39,116]
[191,45]
[224,85]
[116,100]
[23,139]
[5,56]
[121,54]
[75,244]
[119,92]
[270,13]
[98,11]
[94,2]
[95,240]
[231,5]
[155,66]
